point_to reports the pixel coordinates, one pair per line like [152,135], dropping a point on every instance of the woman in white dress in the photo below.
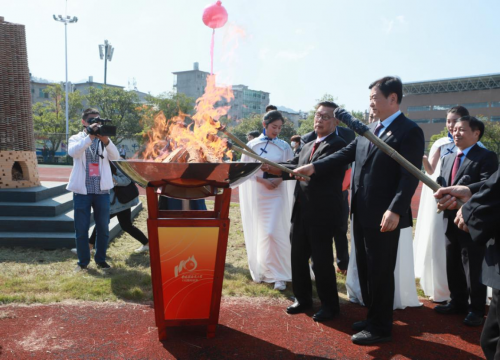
[405,290]
[430,242]
[266,205]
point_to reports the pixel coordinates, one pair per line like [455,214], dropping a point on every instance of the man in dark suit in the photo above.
[381,197]
[340,235]
[479,217]
[463,256]
[315,216]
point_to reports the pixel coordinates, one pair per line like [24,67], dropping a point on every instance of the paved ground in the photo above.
[61,173]
[249,329]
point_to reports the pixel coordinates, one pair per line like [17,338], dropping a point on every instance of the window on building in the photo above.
[438,121]
[476,105]
[495,104]
[419,108]
[443,107]
[32,90]
[422,121]
[495,118]
[40,92]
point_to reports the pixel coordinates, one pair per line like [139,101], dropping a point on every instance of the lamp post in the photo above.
[66,20]
[106,53]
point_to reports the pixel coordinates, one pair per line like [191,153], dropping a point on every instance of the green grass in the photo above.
[42,276]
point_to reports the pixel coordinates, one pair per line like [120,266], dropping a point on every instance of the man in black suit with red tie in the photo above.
[381,197]
[340,236]
[315,217]
[463,256]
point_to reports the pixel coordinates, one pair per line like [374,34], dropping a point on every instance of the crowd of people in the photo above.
[385,259]
[290,226]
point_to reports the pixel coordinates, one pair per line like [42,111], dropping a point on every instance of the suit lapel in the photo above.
[385,136]
[465,164]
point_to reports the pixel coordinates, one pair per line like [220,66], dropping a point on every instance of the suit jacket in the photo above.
[478,165]
[481,216]
[319,200]
[379,183]
[345,133]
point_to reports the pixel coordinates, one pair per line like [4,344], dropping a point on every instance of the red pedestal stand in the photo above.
[188,253]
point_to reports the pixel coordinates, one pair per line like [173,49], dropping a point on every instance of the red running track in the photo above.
[249,329]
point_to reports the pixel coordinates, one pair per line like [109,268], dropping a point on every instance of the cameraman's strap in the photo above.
[102,151]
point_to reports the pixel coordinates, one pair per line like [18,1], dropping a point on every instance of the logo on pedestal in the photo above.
[186,265]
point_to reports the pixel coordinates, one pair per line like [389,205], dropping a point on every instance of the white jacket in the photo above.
[77,145]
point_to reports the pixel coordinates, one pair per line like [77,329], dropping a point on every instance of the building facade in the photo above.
[426,102]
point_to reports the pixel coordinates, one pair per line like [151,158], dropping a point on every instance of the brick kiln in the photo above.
[18,162]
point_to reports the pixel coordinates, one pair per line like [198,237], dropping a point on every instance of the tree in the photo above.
[120,106]
[49,117]
[172,104]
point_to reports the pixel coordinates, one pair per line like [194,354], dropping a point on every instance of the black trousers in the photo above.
[464,259]
[315,242]
[490,337]
[376,255]
[125,220]
[340,234]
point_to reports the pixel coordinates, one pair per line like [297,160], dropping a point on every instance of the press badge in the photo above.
[94,169]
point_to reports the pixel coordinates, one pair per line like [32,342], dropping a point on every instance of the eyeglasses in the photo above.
[323,116]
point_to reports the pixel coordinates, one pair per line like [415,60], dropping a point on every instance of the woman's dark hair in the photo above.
[459,110]
[272,116]
[388,85]
[474,124]
[295,138]
[271,107]
[254,133]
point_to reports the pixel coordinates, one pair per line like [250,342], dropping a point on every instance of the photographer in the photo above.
[90,182]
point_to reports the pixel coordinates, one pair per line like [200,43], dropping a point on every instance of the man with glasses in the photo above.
[90,182]
[381,199]
[340,236]
[316,214]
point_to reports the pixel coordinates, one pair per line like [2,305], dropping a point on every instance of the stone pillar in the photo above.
[18,162]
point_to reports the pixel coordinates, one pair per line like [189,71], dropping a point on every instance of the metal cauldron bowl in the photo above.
[187,180]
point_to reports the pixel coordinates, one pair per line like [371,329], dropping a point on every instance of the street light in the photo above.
[106,53]
[66,20]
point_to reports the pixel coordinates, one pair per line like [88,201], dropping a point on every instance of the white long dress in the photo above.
[429,244]
[266,216]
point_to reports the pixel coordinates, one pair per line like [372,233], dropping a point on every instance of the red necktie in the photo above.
[456,166]
[377,131]
[315,147]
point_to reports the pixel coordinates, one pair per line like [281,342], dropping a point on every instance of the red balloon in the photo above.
[215,15]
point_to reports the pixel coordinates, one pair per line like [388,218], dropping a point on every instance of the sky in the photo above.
[296,50]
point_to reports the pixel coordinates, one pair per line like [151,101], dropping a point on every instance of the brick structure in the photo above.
[18,163]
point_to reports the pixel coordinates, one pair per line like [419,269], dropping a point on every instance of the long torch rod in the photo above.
[268,162]
[363,130]
[235,139]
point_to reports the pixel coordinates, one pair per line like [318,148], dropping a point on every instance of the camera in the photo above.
[102,129]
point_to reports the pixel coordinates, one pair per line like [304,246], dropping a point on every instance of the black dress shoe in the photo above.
[297,308]
[473,319]
[367,338]
[359,325]
[324,314]
[450,308]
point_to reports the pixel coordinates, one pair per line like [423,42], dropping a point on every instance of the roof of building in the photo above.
[467,83]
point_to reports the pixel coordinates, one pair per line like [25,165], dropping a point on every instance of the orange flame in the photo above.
[200,136]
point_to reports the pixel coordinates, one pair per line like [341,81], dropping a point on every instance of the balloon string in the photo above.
[212,53]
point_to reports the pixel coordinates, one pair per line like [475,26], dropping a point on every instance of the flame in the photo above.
[198,138]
